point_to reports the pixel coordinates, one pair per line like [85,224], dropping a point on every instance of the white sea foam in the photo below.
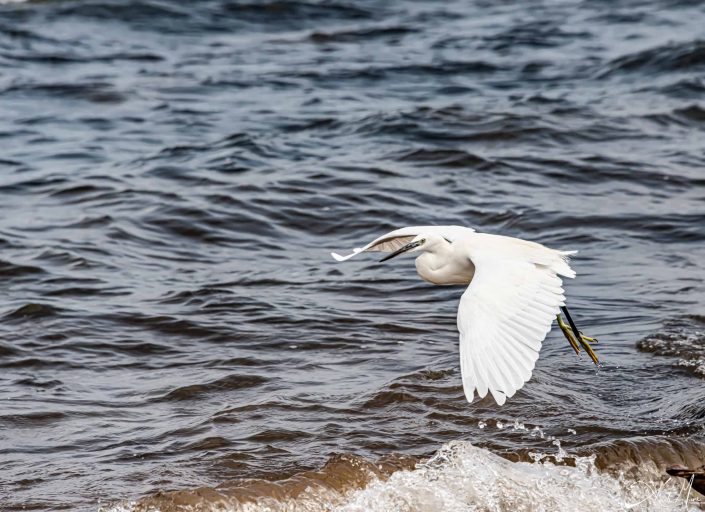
[461,477]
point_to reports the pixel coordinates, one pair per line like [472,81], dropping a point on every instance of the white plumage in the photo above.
[399,237]
[514,293]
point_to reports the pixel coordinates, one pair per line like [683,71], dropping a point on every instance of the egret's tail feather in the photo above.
[562,266]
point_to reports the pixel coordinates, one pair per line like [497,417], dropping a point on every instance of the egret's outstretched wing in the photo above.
[399,237]
[505,314]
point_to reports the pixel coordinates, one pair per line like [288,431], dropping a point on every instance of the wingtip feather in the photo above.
[338,257]
[498,396]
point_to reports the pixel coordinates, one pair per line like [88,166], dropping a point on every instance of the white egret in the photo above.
[514,292]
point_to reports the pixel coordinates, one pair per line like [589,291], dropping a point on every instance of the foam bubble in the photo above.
[463,477]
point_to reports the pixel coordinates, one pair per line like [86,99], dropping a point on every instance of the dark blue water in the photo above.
[175,174]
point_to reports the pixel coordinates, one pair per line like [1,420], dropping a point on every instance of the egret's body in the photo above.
[514,293]
[443,264]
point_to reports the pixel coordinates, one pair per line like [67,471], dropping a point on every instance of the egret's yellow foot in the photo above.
[568,334]
[584,340]
[587,338]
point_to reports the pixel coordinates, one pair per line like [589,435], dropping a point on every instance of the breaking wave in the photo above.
[459,477]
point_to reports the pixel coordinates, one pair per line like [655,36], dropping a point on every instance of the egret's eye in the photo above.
[423,241]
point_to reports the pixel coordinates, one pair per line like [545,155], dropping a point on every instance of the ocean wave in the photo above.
[683,340]
[459,477]
[674,56]
[176,173]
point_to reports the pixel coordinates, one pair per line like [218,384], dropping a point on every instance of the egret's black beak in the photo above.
[407,247]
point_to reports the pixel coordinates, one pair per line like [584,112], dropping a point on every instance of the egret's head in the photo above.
[422,242]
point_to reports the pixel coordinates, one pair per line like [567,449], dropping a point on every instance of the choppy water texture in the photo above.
[173,332]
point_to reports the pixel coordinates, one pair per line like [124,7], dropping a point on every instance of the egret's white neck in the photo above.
[441,263]
[437,255]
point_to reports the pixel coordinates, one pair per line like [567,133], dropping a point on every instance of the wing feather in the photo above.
[505,314]
[399,237]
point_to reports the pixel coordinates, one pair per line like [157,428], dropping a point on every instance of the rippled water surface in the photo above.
[174,333]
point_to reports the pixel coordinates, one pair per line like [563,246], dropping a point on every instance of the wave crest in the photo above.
[459,477]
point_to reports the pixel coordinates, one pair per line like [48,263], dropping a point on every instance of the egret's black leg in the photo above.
[576,332]
[577,335]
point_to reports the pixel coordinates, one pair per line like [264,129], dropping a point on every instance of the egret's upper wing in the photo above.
[399,237]
[504,316]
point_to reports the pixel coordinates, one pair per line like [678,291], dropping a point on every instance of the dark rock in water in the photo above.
[696,477]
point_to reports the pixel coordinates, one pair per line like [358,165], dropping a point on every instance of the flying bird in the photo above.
[514,292]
